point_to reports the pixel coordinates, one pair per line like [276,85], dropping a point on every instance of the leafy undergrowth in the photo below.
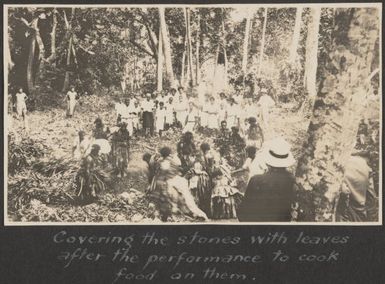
[41,168]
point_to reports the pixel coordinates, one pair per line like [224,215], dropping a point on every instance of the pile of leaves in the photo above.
[22,154]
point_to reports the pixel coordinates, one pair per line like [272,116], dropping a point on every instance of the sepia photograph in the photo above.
[228,114]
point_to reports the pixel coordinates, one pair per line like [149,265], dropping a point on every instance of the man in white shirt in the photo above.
[181,109]
[265,103]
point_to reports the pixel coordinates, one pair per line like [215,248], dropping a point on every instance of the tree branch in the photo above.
[145,50]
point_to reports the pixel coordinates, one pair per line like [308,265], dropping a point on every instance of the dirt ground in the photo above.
[53,129]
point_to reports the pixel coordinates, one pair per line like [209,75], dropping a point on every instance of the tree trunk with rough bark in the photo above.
[338,109]
[189,47]
[246,45]
[262,43]
[311,58]
[296,33]
[166,47]
[31,57]
[197,69]
[159,71]
[52,57]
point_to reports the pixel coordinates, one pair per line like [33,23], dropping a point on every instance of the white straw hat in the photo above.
[277,154]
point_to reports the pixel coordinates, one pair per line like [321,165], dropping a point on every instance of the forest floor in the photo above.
[38,193]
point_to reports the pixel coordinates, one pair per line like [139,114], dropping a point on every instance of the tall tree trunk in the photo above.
[311,60]
[31,57]
[337,111]
[7,52]
[262,43]
[182,77]
[166,46]
[246,45]
[159,71]
[189,46]
[68,63]
[197,69]
[69,50]
[52,57]
[295,39]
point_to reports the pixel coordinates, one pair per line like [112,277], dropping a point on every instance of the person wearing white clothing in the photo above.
[71,101]
[233,114]
[212,114]
[160,118]
[265,103]
[191,119]
[128,115]
[21,106]
[181,109]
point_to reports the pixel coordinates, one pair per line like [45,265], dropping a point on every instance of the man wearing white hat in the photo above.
[268,196]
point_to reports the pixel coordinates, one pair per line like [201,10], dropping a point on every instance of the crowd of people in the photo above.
[241,171]
[203,180]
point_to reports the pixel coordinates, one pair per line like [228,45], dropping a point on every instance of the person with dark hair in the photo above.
[148,107]
[269,196]
[90,179]
[181,109]
[222,142]
[254,134]
[100,132]
[170,191]
[21,106]
[71,101]
[81,145]
[200,187]
[233,113]
[225,198]
[121,147]
[191,122]
[212,115]
[237,148]
[186,151]
[160,118]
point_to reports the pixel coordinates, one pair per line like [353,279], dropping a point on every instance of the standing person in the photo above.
[222,115]
[225,198]
[269,196]
[119,109]
[191,122]
[128,115]
[199,186]
[182,93]
[148,115]
[186,151]
[170,113]
[21,106]
[136,117]
[121,146]
[205,112]
[222,142]
[233,113]
[265,103]
[254,134]
[90,179]
[212,117]
[181,108]
[237,148]
[71,101]
[160,118]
